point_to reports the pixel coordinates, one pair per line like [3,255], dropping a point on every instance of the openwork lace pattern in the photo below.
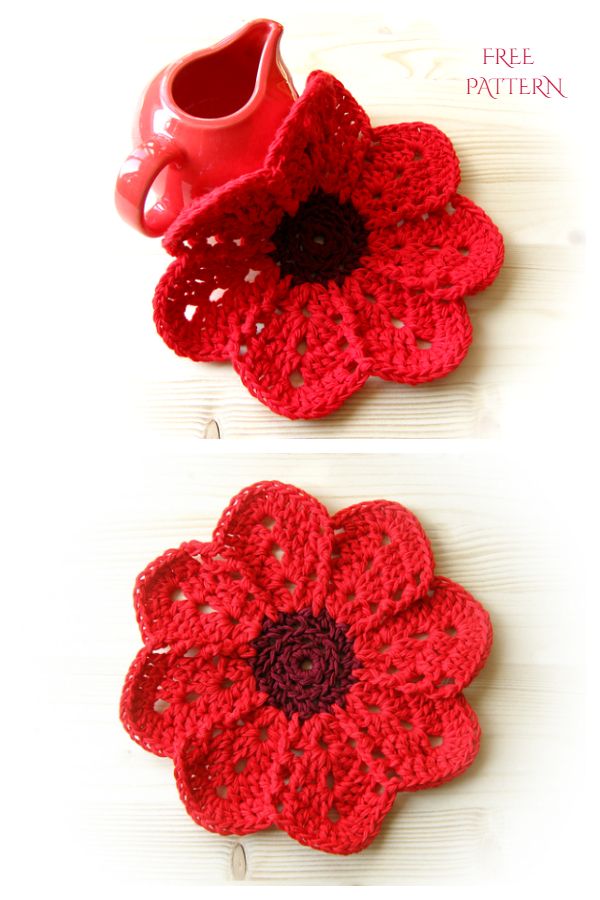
[303,669]
[349,254]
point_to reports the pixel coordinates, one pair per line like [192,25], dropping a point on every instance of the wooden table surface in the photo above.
[493,529]
[117,428]
[519,162]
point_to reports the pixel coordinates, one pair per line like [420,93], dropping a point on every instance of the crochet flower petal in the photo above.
[325,796]
[411,742]
[327,129]
[169,690]
[297,358]
[230,223]
[449,253]
[436,646]
[382,562]
[320,144]
[324,136]
[202,599]
[407,337]
[223,773]
[199,308]
[283,537]
[409,169]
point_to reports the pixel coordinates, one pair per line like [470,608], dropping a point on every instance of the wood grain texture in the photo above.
[112,458]
[492,528]
[517,162]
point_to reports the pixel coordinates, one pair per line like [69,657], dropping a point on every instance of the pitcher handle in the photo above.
[135,179]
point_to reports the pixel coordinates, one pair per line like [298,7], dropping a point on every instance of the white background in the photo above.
[92,493]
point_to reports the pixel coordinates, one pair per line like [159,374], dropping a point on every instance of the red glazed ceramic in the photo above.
[203,120]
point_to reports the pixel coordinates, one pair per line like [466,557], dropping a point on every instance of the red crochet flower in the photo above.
[348,255]
[301,669]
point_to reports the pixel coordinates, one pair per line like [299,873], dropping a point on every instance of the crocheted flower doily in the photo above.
[302,669]
[348,255]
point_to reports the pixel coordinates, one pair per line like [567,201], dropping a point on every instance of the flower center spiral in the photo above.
[303,662]
[323,241]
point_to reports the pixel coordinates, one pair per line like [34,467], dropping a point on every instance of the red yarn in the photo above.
[348,254]
[301,669]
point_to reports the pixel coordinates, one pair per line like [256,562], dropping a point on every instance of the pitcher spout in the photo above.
[272,72]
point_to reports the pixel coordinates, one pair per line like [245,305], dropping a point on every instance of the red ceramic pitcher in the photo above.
[203,120]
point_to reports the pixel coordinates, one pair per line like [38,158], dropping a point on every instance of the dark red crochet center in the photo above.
[323,241]
[303,662]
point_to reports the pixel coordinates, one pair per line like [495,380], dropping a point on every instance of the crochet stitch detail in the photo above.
[348,255]
[323,241]
[303,669]
[304,663]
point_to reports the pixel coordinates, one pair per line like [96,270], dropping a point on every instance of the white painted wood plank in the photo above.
[116,494]
[518,161]
[493,529]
